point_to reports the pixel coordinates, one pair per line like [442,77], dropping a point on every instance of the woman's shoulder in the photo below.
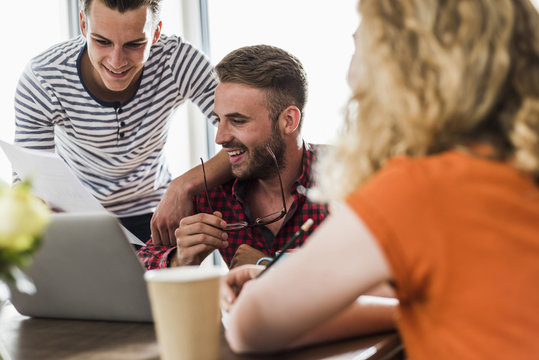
[452,164]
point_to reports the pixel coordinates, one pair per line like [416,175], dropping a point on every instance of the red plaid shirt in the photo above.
[229,200]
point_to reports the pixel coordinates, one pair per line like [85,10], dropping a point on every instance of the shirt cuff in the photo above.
[164,262]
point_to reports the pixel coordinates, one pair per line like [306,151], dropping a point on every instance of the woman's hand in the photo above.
[234,281]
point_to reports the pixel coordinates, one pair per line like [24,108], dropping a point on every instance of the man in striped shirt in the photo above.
[103,102]
[258,106]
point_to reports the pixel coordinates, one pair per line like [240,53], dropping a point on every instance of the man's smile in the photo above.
[116,73]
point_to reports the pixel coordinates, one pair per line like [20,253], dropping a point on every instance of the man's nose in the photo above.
[223,134]
[117,58]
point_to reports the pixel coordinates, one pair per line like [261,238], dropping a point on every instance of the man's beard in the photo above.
[261,164]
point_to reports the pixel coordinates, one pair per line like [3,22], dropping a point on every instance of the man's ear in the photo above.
[157,32]
[82,24]
[290,119]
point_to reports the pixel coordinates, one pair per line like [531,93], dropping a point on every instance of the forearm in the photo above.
[368,315]
[290,305]
[174,260]
[218,171]
[384,289]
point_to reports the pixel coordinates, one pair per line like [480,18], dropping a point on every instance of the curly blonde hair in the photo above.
[439,75]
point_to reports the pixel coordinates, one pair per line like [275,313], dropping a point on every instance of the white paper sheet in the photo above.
[54,182]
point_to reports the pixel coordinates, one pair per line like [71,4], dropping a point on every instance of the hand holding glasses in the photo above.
[261,221]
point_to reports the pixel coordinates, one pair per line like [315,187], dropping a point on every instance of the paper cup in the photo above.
[186,313]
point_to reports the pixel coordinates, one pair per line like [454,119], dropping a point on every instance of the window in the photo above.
[29,27]
[48,23]
[318,33]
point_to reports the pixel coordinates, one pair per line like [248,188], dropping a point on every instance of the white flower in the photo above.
[23,217]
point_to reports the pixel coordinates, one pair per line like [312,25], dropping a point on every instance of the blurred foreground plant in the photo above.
[23,219]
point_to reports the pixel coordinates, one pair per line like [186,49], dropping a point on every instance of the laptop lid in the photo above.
[85,269]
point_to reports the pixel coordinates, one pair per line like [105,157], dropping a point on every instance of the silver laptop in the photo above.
[85,269]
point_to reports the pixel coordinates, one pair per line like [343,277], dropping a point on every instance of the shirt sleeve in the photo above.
[34,112]
[154,257]
[195,76]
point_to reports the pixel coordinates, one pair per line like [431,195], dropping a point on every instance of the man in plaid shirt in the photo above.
[258,107]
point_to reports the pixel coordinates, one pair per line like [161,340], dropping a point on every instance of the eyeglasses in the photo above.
[261,221]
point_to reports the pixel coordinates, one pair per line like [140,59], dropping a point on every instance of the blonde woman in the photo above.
[438,170]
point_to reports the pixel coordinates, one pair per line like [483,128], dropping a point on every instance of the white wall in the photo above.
[318,33]
[28,27]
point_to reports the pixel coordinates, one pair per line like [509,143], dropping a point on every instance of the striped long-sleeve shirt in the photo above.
[116,150]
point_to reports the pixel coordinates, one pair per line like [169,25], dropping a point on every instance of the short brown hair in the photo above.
[124,5]
[271,69]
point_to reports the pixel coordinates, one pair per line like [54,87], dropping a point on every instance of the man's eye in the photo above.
[135,45]
[101,42]
[237,121]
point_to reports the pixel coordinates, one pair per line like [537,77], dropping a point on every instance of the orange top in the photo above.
[461,235]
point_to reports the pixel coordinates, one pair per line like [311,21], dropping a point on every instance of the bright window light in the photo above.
[319,34]
[29,28]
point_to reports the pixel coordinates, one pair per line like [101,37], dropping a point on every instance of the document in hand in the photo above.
[53,181]
[51,178]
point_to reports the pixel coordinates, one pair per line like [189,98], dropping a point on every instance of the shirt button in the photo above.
[122,123]
[120,111]
[121,135]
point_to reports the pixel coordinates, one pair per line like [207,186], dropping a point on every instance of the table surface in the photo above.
[29,338]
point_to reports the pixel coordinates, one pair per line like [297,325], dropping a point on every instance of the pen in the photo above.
[305,227]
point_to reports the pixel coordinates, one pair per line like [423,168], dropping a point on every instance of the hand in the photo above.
[246,255]
[197,236]
[176,204]
[234,281]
